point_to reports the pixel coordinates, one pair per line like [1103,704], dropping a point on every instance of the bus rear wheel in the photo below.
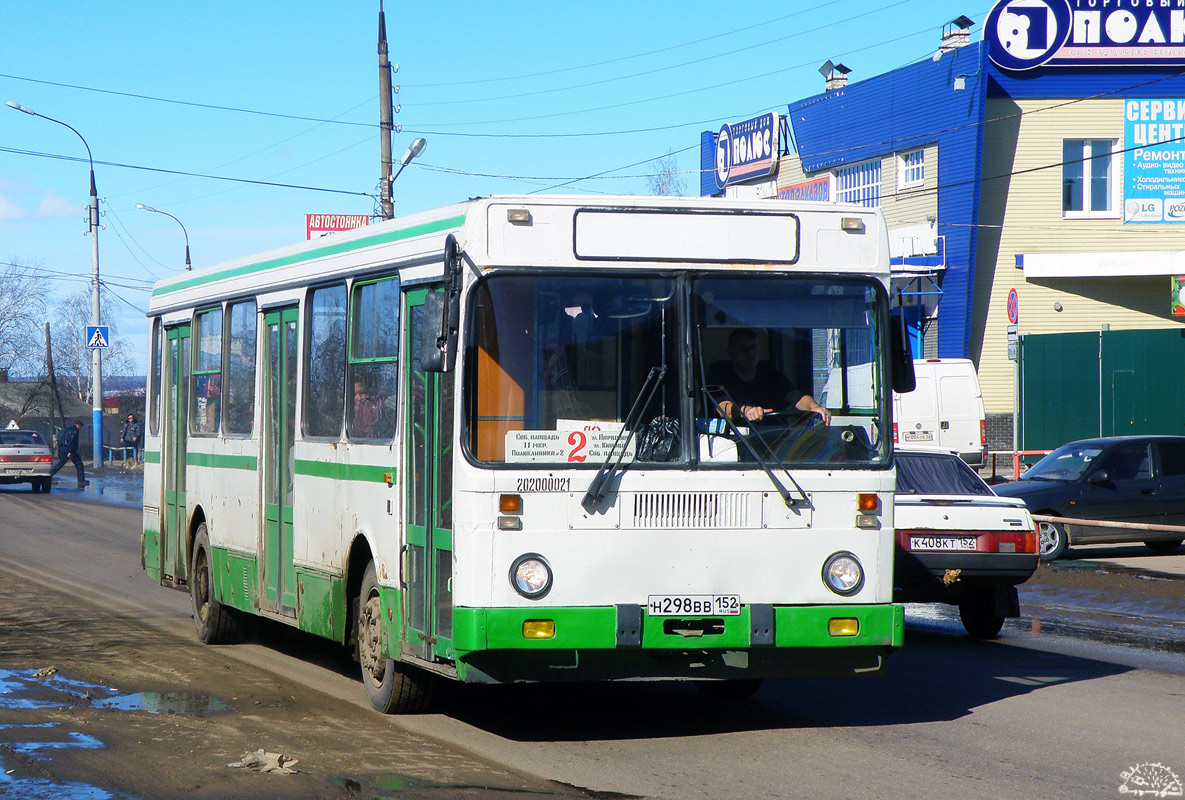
[391,687]
[216,624]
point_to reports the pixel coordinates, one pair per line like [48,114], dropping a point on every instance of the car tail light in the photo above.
[895,439]
[982,433]
[1012,542]
[43,459]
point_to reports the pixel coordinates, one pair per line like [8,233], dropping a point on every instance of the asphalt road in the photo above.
[1076,700]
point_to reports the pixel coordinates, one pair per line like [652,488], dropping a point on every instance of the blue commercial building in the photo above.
[1033,183]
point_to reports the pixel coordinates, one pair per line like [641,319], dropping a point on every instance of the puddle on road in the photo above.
[190,704]
[27,689]
[12,785]
[393,782]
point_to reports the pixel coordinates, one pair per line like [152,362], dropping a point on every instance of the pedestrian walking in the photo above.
[133,437]
[71,453]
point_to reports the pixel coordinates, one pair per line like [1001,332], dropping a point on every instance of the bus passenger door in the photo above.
[176,427]
[427,564]
[279,434]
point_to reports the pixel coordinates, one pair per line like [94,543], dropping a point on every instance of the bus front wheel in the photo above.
[216,624]
[391,687]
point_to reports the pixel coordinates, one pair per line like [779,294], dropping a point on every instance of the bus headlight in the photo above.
[843,574]
[530,576]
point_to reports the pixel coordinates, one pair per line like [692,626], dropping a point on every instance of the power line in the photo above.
[667,68]
[620,59]
[164,171]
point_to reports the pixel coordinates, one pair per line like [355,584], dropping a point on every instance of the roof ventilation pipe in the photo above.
[835,76]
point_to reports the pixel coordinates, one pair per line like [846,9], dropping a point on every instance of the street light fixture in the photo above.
[188,266]
[413,151]
[96,352]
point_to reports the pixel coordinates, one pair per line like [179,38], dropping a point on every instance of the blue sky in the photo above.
[511,97]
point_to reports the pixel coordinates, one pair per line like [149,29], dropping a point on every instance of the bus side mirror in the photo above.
[900,357]
[438,341]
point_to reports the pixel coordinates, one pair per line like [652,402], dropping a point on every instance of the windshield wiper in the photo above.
[597,492]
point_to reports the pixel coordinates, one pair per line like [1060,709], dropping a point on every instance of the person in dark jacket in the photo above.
[71,453]
[133,436]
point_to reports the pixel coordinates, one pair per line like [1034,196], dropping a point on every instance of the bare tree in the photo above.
[23,296]
[666,179]
[71,356]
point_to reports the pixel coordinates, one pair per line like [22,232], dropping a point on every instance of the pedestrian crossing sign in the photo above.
[98,336]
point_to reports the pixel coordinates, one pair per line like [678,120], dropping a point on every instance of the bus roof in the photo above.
[557,230]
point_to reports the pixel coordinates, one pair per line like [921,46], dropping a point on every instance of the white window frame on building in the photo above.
[911,169]
[1096,175]
[859,183]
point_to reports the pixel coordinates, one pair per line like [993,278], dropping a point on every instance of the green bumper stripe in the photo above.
[329,250]
[596,629]
[221,461]
[344,472]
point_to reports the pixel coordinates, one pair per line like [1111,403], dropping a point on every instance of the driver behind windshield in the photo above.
[755,387]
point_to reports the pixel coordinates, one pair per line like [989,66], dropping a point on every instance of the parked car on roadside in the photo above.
[958,543]
[1138,479]
[25,458]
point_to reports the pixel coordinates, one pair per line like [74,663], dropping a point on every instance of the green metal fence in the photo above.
[1102,383]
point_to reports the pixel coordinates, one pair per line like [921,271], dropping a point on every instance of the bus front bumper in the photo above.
[495,645]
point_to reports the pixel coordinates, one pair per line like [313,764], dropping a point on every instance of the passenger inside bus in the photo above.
[754,387]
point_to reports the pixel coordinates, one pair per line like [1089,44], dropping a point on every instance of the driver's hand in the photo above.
[754,413]
[824,413]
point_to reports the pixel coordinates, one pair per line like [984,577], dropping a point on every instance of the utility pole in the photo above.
[385,127]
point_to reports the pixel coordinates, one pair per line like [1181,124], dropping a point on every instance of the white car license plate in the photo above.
[942,543]
[18,471]
[672,605]
[919,436]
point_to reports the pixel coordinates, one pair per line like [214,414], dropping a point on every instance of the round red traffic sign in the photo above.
[1013,306]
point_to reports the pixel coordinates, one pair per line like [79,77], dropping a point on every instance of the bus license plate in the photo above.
[942,543]
[672,605]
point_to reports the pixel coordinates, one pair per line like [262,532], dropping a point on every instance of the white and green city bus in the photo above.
[479,443]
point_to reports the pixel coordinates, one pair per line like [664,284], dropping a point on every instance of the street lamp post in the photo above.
[96,353]
[188,266]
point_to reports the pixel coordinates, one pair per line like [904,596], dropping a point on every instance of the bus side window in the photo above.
[325,362]
[372,376]
[155,389]
[240,369]
[206,386]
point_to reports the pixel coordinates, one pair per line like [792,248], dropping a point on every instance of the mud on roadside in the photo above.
[1106,602]
[121,710]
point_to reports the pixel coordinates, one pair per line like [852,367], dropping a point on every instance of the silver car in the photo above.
[25,458]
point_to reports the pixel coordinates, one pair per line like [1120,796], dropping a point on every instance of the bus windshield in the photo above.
[555,363]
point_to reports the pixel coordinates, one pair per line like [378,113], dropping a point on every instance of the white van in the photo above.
[944,412]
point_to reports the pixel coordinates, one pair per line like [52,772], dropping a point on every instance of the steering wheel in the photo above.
[784,430]
[791,417]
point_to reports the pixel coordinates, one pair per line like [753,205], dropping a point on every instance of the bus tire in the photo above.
[216,624]
[391,687]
